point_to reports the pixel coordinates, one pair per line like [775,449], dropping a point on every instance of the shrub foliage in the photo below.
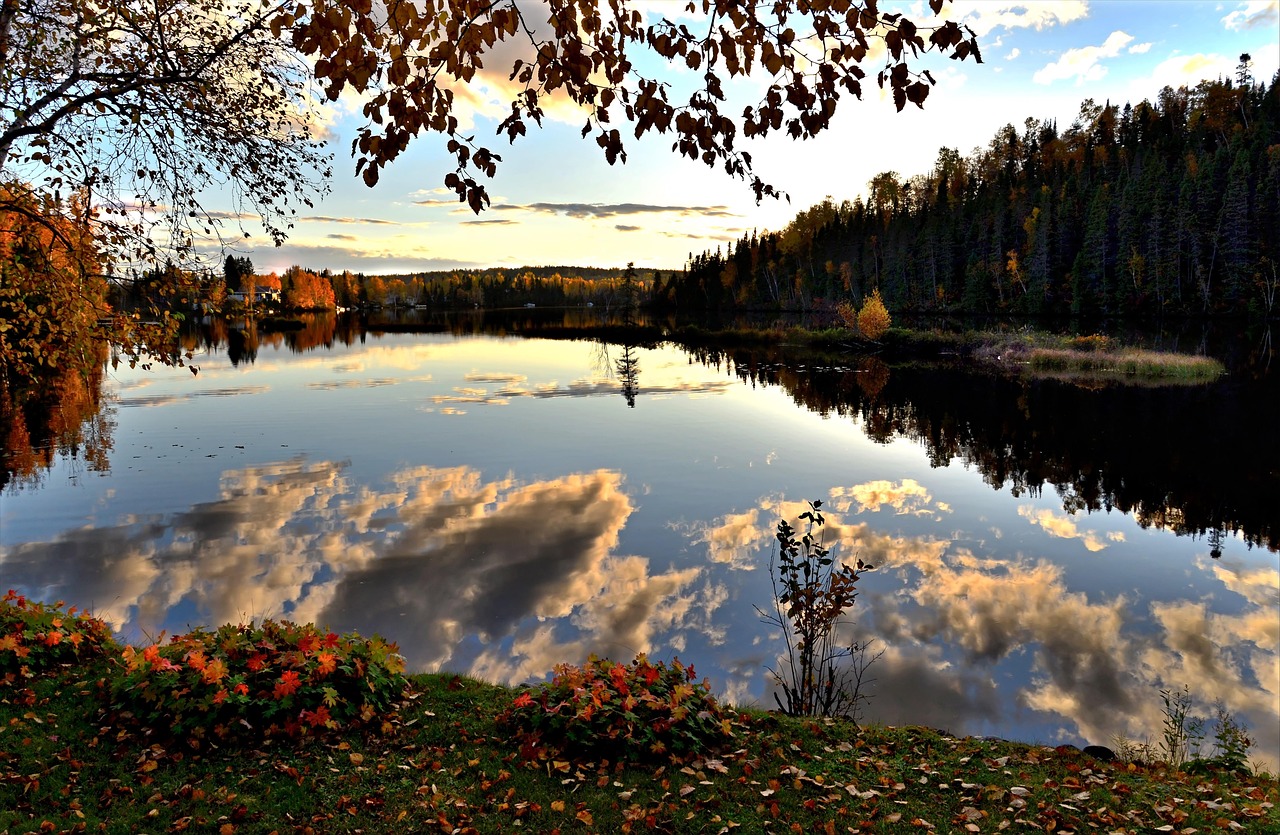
[873,318]
[636,710]
[36,638]
[276,677]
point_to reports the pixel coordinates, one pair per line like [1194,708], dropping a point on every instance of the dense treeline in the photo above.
[311,289]
[300,288]
[493,287]
[1169,207]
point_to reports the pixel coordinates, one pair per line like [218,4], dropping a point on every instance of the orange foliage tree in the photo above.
[51,293]
[304,290]
[51,356]
[873,318]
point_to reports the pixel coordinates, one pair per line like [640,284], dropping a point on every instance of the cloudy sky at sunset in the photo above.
[556,200]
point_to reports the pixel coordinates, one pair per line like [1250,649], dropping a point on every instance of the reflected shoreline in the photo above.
[1202,474]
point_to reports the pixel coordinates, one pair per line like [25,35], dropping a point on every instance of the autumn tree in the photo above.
[410,62]
[47,309]
[304,290]
[145,108]
[116,117]
[873,318]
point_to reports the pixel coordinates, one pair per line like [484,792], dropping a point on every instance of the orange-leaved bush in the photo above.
[637,710]
[251,681]
[36,638]
[873,318]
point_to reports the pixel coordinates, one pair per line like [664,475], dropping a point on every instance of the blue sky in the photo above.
[556,200]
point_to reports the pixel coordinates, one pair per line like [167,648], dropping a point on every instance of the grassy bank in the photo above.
[1093,357]
[1126,363]
[445,765]
[1037,353]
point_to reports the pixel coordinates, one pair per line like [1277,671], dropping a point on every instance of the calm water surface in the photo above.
[498,505]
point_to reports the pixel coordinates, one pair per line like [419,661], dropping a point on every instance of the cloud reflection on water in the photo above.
[515,387]
[186,396]
[495,577]
[905,497]
[954,622]
[1064,527]
[503,579]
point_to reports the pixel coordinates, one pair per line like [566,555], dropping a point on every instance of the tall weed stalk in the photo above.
[1182,733]
[811,594]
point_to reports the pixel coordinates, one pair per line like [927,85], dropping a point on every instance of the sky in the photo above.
[556,201]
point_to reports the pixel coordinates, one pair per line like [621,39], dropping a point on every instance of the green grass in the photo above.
[444,765]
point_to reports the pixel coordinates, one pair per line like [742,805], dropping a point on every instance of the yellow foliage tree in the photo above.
[873,318]
[51,292]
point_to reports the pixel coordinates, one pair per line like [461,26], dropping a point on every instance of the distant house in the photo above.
[262,293]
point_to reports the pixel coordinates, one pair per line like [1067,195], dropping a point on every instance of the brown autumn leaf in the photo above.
[410,65]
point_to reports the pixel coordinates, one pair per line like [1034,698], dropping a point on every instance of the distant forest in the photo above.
[1164,208]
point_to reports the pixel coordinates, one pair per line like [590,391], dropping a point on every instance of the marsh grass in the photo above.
[445,765]
[1124,363]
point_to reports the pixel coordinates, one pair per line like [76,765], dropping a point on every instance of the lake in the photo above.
[1050,555]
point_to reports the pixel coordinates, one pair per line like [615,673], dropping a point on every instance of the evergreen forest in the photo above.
[1164,208]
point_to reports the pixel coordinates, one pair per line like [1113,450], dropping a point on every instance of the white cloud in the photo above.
[1085,63]
[1140,48]
[1014,54]
[1063,527]
[1188,70]
[1253,14]
[985,16]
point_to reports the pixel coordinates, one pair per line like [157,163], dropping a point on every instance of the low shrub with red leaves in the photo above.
[36,638]
[635,710]
[251,681]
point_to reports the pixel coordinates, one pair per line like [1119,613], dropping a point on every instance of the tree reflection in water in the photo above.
[62,413]
[628,370]
[1191,459]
